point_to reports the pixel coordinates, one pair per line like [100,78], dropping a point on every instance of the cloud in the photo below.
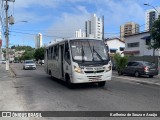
[31,17]
[67,24]
[19,4]
[115,13]
[72,18]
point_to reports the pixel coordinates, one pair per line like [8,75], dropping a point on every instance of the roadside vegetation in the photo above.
[155,36]
[121,62]
[30,53]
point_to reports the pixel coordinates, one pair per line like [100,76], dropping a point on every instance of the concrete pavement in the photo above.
[35,90]
[9,99]
[149,81]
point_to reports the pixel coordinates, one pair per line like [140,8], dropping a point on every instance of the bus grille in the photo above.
[94,78]
[94,69]
[100,71]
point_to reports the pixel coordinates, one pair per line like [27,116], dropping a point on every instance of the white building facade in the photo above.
[38,41]
[79,34]
[150,16]
[137,45]
[115,45]
[94,27]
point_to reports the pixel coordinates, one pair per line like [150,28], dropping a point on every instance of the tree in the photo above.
[13,47]
[27,55]
[26,48]
[155,36]
[120,62]
[39,53]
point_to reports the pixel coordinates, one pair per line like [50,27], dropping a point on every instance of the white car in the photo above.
[29,64]
[3,61]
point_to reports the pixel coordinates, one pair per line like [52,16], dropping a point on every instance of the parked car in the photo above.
[138,68]
[3,61]
[29,64]
[41,62]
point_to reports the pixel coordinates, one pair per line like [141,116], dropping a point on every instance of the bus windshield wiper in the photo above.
[91,50]
[100,57]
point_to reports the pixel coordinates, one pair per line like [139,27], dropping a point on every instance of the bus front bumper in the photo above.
[88,78]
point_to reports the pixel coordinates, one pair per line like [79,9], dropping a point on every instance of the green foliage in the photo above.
[16,58]
[155,35]
[26,48]
[27,55]
[3,50]
[120,62]
[39,54]
[13,47]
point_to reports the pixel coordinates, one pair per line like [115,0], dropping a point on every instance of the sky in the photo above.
[60,18]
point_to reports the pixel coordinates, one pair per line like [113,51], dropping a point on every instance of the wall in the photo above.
[142,45]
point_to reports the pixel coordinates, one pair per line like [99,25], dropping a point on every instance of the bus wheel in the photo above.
[102,84]
[68,81]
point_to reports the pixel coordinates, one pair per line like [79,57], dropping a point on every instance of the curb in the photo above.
[138,81]
[12,72]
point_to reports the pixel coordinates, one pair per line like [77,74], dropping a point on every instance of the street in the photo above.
[38,92]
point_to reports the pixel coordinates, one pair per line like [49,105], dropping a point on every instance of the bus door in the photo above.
[62,59]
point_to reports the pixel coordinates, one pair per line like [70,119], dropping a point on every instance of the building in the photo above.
[150,16]
[79,34]
[94,27]
[38,41]
[115,45]
[18,54]
[128,29]
[137,45]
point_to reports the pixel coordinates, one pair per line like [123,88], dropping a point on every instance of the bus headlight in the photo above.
[77,69]
[108,68]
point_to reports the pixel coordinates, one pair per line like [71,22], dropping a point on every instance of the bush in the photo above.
[121,62]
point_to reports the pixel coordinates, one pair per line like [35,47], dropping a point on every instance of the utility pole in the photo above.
[7,33]
[7,36]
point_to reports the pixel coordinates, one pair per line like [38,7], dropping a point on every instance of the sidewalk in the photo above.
[9,99]
[150,81]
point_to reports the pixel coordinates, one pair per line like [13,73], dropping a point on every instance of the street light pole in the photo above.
[152,7]
[7,36]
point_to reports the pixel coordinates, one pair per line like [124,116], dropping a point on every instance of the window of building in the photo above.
[113,50]
[121,48]
[136,44]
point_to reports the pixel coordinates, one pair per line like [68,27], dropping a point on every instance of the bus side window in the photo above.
[47,53]
[51,53]
[57,52]
[54,55]
[67,54]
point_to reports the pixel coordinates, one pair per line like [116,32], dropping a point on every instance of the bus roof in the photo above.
[68,39]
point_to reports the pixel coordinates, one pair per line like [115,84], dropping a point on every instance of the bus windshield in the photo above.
[88,50]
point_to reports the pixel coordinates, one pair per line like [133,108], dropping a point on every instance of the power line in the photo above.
[36,34]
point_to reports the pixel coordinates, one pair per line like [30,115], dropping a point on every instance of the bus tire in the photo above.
[101,84]
[68,82]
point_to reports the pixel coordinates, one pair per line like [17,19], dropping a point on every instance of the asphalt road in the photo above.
[41,93]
